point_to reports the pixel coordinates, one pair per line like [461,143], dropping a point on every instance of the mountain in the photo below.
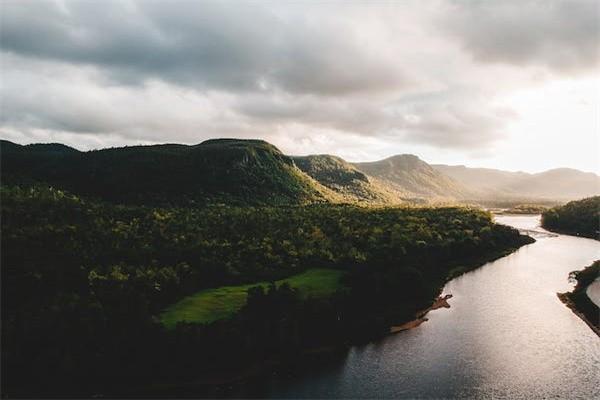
[558,184]
[480,179]
[255,172]
[221,170]
[40,148]
[343,178]
[561,183]
[407,173]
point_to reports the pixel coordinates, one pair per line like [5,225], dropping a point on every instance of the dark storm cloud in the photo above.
[447,119]
[561,35]
[189,70]
[348,115]
[232,46]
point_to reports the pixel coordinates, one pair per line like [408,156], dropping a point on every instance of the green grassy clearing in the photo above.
[219,303]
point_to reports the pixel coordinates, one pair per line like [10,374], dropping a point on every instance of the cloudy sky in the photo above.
[505,84]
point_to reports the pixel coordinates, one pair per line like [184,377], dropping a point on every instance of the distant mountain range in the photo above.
[237,171]
[555,184]
[409,174]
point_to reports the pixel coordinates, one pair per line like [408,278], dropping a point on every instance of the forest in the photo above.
[580,217]
[225,171]
[85,282]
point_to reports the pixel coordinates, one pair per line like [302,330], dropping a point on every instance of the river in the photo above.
[506,335]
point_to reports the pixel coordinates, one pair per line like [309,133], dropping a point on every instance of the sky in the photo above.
[513,85]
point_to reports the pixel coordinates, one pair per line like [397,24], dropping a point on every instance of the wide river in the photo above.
[506,335]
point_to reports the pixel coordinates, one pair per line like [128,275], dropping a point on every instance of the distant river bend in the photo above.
[506,335]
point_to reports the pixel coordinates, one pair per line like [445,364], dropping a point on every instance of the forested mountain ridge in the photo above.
[47,148]
[254,172]
[221,170]
[559,183]
[408,173]
[232,171]
[345,179]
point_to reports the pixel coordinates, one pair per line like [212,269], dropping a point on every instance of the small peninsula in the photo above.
[579,299]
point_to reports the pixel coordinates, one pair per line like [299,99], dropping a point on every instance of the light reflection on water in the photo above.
[507,335]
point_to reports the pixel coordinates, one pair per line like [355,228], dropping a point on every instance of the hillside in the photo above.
[255,172]
[222,170]
[408,173]
[581,218]
[480,179]
[559,184]
[344,179]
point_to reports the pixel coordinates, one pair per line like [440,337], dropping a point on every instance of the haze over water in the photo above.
[506,335]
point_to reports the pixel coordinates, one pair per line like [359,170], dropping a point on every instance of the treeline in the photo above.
[581,218]
[526,209]
[83,282]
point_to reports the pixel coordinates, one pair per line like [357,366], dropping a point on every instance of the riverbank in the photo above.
[442,358]
[223,383]
[576,218]
[468,266]
[578,300]
[564,297]
[440,302]
[568,232]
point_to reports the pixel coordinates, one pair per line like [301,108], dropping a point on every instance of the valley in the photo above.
[228,251]
[299,199]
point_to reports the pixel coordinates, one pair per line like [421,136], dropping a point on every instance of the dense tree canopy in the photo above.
[581,217]
[215,171]
[83,281]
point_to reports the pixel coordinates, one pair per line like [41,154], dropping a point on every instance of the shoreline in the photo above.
[226,379]
[567,232]
[440,302]
[578,299]
[566,300]
[233,377]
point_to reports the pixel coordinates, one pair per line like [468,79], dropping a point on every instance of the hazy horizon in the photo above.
[507,85]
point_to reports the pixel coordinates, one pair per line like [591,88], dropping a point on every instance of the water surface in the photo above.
[506,335]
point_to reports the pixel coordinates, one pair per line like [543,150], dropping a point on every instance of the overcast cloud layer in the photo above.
[355,79]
